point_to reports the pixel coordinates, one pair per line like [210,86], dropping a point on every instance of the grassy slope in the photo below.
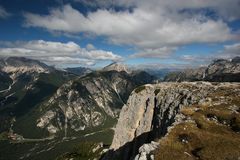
[213,135]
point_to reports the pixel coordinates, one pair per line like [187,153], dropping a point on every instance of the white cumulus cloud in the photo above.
[150,26]
[163,52]
[230,51]
[65,53]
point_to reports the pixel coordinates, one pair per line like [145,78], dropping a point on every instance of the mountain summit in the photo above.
[119,67]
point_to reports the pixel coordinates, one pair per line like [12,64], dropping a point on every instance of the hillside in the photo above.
[27,83]
[88,102]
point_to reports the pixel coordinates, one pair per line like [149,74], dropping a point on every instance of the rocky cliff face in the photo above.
[151,109]
[220,70]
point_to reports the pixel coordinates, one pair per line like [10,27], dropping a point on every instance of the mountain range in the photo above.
[39,102]
[118,113]
[220,70]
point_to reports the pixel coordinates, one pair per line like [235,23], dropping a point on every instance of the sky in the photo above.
[151,34]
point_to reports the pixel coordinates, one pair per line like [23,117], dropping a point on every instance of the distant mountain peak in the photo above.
[236,60]
[220,70]
[23,65]
[115,66]
[79,70]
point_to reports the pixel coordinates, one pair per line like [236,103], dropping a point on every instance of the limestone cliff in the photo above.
[151,109]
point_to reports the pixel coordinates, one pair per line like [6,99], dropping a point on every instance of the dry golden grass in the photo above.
[214,134]
[188,111]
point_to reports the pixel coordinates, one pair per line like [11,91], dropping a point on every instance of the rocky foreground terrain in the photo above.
[188,120]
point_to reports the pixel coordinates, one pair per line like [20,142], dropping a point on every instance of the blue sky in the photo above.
[140,33]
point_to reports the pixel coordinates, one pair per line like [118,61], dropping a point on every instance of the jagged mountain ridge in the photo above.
[23,65]
[91,104]
[58,107]
[11,68]
[89,101]
[85,102]
[220,70]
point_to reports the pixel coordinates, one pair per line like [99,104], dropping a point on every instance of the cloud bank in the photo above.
[228,52]
[55,52]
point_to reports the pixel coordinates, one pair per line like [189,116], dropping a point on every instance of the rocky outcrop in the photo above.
[145,152]
[220,70]
[151,109]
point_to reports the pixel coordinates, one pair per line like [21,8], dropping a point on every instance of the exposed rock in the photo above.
[151,109]
[44,120]
[147,110]
[135,117]
[145,152]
